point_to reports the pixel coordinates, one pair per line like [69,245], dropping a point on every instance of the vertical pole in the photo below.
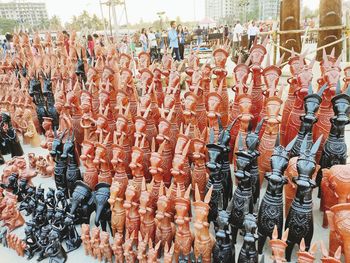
[274,38]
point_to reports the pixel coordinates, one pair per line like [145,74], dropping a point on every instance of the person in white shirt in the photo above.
[237,35]
[152,38]
[253,31]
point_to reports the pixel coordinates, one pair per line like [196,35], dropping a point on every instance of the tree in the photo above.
[55,23]
[85,21]
[7,25]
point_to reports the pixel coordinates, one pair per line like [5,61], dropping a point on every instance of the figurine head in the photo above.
[102,192]
[163,203]
[182,206]
[82,193]
[146,198]
[179,162]
[215,152]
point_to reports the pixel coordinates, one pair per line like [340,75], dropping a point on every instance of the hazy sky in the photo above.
[137,9]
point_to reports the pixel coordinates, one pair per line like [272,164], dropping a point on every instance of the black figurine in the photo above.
[214,165]
[82,203]
[31,240]
[242,200]
[54,249]
[61,201]
[300,218]
[73,172]
[271,207]
[29,203]
[248,253]
[80,67]
[12,184]
[43,242]
[224,249]
[60,164]
[223,141]
[3,233]
[73,240]
[252,141]
[312,103]
[8,137]
[335,149]
[103,211]
[22,189]
[50,100]
[39,100]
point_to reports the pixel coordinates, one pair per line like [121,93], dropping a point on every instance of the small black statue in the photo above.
[43,242]
[39,218]
[50,100]
[80,67]
[3,233]
[8,137]
[248,253]
[82,203]
[73,240]
[224,249]
[39,100]
[60,164]
[103,211]
[73,172]
[300,218]
[54,249]
[252,142]
[312,103]
[335,149]
[50,198]
[12,184]
[22,189]
[271,207]
[214,165]
[61,201]
[242,200]
[29,203]
[31,240]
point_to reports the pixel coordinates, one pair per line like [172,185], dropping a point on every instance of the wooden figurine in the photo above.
[102,160]
[87,157]
[248,251]
[168,253]
[49,135]
[141,248]
[119,162]
[95,243]
[152,255]
[326,258]
[203,240]
[129,253]
[137,164]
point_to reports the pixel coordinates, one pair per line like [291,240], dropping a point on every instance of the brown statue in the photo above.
[138,158]
[278,246]
[338,217]
[31,132]
[87,157]
[129,254]
[183,235]
[327,258]
[168,253]
[214,101]
[165,228]
[199,175]
[49,135]
[102,160]
[306,256]
[116,201]
[152,255]
[95,243]
[85,237]
[141,248]
[147,212]
[11,216]
[105,247]
[273,119]
[119,162]
[131,205]
[156,171]
[203,240]
[335,188]
[117,247]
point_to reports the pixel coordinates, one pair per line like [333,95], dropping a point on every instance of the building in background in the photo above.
[269,9]
[214,9]
[24,12]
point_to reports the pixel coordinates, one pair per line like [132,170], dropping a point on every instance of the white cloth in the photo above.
[253,30]
[237,33]
[152,39]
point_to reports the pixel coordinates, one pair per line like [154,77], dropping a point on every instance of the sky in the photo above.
[137,9]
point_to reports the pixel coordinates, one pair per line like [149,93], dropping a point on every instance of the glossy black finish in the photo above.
[8,137]
[103,211]
[248,253]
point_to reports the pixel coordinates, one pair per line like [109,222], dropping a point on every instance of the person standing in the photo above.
[144,39]
[237,35]
[173,41]
[181,35]
[152,39]
[253,31]
[199,33]
[90,48]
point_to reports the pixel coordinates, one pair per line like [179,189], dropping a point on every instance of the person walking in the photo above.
[173,41]
[144,39]
[181,36]
[252,31]
[237,35]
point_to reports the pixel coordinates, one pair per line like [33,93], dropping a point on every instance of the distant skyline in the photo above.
[187,10]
